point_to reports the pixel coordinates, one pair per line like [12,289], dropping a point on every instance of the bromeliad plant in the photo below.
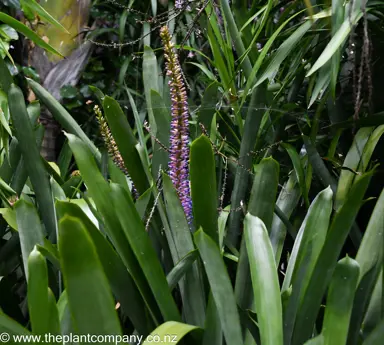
[95,261]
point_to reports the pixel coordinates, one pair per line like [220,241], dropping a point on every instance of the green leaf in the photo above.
[299,170]
[306,250]
[144,252]
[31,157]
[33,6]
[377,335]
[282,52]
[336,42]
[93,308]
[340,301]
[122,284]
[163,125]
[369,257]
[62,116]
[351,161]
[287,203]
[181,269]
[38,305]
[221,287]
[248,142]
[265,281]
[191,287]
[29,228]
[213,334]
[203,186]
[11,327]
[169,333]
[53,321]
[326,263]
[261,205]
[100,192]
[126,143]
[5,76]
[10,217]
[20,27]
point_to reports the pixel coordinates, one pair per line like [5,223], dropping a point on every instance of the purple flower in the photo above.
[179,136]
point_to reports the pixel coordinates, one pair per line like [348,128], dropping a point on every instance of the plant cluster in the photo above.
[231,194]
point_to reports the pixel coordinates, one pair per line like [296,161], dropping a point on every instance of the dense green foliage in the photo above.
[285,143]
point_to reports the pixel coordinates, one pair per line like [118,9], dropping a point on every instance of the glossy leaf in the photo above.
[340,301]
[203,186]
[145,254]
[38,304]
[20,27]
[93,309]
[31,157]
[170,333]
[265,281]
[221,287]
[326,263]
[29,228]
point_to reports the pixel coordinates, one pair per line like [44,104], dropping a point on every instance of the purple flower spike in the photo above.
[179,137]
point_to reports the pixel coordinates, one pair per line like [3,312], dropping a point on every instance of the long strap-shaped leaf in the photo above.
[31,157]
[265,281]
[220,283]
[326,263]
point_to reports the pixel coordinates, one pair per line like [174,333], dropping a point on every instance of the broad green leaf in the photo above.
[265,281]
[191,287]
[145,254]
[53,312]
[163,125]
[375,308]
[150,79]
[251,129]
[5,76]
[62,116]
[126,142]
[340,301]
[261,205]
[287,202]
[100,192]
[29,228]
[38,304]
[10,217]
[31,157]
[220,286]
[181,269]
[307,247]
[93,308]
[351,161]
[213,334]
[20,27]
[122,284]
[169,333]
[369,257]
[203,186]
[326,263]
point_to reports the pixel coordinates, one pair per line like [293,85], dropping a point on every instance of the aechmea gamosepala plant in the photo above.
[179,136]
